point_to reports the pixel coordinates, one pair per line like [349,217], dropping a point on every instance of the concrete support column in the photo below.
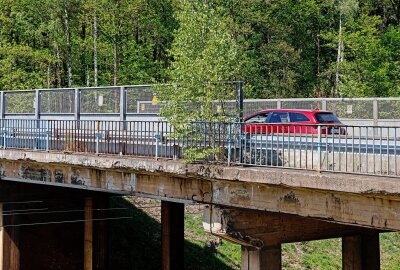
[10,243]
[172,223]
[361,252]
[267,258]
[100,238]
[88,235]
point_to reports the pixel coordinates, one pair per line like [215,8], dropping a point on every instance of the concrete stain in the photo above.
[290,198]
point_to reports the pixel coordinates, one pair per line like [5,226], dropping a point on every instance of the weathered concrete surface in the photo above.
[260,229]
[353,199]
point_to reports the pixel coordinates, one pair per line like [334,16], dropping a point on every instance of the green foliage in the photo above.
[205,56]
[279,48]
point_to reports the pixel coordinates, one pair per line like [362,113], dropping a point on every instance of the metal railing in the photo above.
[310,147]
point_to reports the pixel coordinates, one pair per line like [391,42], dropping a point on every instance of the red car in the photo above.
[293,121]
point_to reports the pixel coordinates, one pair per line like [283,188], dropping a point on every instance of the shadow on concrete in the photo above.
[136,243]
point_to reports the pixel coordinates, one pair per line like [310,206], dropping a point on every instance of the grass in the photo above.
[136,244]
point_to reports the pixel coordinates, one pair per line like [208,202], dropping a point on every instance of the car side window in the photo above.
[258,119]
[279,117]
[298,117]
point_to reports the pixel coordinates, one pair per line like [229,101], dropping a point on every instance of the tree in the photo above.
[205,54]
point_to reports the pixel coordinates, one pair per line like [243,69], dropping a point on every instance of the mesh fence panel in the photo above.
[353,109]
[100,100]
[301,104]
[258,105]
[20,102]
[389,109]
[57,101]
[142,99]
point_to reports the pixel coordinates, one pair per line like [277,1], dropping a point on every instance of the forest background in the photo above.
[287,48]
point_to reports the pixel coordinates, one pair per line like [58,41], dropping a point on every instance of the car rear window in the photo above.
[326,118]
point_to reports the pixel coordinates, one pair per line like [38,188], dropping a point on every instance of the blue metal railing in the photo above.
[370,150]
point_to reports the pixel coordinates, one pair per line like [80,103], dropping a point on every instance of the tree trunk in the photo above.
[115,60]
[95,49]
[339,57]
[68,40]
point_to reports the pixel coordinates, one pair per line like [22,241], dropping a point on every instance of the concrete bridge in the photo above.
[259,207]
[262,190]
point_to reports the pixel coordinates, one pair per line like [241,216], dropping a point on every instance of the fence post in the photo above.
[77,109]
[122,107]
[375,114]
[239,100]
[37,104]
[2,105]
[324,105]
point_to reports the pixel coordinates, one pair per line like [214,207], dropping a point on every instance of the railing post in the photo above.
[157,136]
[47,136]
[4,134]
[37,117]
[97,134]
[2,105]
[279,104]
[229,144]
[319,148]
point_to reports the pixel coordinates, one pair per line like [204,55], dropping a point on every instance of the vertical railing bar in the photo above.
[366,150]
[387,152]
[352,147]
[373,149]
[395,151]
[359,150]
[380,151]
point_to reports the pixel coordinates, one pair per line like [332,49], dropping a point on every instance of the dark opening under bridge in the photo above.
[262,189]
